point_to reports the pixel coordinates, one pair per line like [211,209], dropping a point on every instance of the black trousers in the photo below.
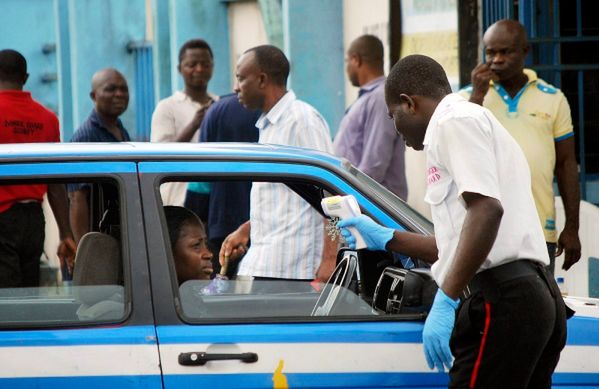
[22,237]
[509,335]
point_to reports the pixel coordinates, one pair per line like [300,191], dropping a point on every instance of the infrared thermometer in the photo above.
[344,207]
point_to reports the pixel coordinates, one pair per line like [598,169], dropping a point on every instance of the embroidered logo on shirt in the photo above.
[550,224]
[540,115]
[433,175]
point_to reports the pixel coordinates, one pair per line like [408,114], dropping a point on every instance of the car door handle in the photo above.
[200,358]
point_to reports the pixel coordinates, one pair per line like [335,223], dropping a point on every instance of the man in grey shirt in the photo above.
[366,135]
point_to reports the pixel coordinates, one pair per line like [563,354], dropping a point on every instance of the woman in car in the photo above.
[189,244]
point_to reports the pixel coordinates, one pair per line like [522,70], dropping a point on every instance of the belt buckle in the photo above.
[466,293]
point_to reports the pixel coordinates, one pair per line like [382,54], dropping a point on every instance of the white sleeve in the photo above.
[163,124]
[465,146]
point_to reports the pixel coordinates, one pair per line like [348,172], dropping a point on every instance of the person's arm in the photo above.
[57,197]
[481,75]
[378,237]
[415,245]
[481,224]
[235,244]
[194,125]
[329,258]
[79,212]
[566,172]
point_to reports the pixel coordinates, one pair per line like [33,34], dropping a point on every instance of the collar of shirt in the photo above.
[512,102]
[370,86]
[442,109]
[276,111]
[182,96]
[13,93]
[97,122]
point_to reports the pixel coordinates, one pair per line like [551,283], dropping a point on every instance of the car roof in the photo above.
[146,151]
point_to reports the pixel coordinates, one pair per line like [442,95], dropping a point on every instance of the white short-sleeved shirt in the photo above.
[170,117]
[286,232]
[468,150]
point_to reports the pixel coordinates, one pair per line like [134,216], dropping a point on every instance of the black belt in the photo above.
[491,278]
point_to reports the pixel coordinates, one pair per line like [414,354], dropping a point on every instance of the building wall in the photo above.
[429,27]
[26,27]
[100,31]
[313,36]
[208,20]
[246,27]
[364,17]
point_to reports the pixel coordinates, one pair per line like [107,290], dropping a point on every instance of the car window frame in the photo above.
[124,175]
[169,171]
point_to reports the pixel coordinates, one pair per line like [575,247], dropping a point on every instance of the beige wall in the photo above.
[246,29]
[429,27]
[364,17]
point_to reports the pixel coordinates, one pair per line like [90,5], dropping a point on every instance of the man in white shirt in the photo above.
[488,248]
[178,117]
[287,234]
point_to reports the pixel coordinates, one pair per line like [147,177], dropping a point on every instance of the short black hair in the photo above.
[370,49]
[13,66]
[272,61]
[417,75]
[194,44]
[176,218]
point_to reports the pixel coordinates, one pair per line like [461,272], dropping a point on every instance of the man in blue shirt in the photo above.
[229,205]
[110,94]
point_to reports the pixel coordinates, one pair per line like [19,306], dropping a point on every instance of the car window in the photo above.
[37,288]
[278,275]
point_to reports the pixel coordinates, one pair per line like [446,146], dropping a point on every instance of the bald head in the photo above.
[110,93]
[370,49]
[101,76]
[508,28]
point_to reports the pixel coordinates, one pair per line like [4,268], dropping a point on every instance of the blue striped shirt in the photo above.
[286,232]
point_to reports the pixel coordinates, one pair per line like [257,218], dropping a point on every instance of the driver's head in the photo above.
[189,244]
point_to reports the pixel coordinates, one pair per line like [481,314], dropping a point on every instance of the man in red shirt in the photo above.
[23,120]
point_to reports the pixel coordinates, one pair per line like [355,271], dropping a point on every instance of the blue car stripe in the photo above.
[365,379]
[312,380]
[88,382]
[79,336]
[581,332]
[364,332]
[42,169]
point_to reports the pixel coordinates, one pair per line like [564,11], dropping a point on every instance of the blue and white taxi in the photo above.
[125,322]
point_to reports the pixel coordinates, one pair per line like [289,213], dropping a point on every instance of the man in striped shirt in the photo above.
[287,234]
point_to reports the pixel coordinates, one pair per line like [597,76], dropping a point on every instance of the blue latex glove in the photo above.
[437,331]
[375,235]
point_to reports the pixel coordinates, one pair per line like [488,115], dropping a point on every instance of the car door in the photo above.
[262,335]
[79,333]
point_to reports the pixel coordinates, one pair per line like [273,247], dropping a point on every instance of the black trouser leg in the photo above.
[32,245]
[507,342]
[21,244]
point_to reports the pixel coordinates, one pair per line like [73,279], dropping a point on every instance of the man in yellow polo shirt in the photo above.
[538,117]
